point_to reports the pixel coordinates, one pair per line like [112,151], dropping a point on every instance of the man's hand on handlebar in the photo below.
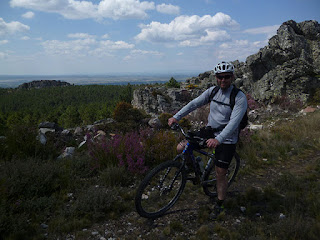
[212,143]
[171,121]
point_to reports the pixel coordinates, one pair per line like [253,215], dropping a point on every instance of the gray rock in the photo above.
[288,66]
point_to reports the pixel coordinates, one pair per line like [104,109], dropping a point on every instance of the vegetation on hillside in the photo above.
[45,197]
[68,106]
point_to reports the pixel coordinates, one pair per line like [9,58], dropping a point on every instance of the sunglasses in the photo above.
[226,77]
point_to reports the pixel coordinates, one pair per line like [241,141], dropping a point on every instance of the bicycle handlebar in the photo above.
[199,140]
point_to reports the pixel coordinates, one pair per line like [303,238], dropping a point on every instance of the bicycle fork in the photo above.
[169,188]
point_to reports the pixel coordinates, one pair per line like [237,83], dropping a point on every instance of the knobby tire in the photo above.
[209,185]
[160,189]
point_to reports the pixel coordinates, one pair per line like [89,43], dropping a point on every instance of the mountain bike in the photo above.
[163,185]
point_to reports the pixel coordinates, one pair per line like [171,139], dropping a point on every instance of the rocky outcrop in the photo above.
[288,66]
[159,100]
[43,84]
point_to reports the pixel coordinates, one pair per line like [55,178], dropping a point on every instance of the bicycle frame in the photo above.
[188,151]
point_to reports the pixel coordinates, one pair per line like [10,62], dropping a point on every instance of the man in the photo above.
[222,118]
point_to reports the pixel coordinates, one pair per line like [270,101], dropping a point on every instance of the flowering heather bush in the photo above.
[286,103]
[121,150]
[245,135]
[132,155]
[252,104]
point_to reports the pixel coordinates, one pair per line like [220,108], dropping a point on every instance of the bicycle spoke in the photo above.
[161,189]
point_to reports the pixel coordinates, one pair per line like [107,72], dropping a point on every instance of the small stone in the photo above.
[44,226]
[282,216]
[243,209]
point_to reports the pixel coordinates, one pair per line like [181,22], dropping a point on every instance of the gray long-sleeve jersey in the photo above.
[220,115]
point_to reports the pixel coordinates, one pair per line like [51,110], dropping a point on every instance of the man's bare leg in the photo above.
[222,183]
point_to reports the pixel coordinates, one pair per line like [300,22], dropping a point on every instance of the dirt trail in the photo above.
[189,217]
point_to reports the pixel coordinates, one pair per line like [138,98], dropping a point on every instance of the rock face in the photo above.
[158,100]
[288,66]
[43,84]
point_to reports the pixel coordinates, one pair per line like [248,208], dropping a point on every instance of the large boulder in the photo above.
[288,66]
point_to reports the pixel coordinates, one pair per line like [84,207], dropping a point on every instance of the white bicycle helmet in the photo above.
[223,67]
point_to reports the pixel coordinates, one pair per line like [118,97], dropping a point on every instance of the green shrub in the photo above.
[160,146]
[173,83]
[314,98]
[22,142]
[115,176]
[164,119]
[95,202]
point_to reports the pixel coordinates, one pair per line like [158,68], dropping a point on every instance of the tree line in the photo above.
[68,106]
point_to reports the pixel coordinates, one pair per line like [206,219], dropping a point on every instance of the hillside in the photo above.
[275,196]
[289,66]
[65,175]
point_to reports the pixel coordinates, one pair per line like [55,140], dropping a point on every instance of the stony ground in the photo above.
[188,219]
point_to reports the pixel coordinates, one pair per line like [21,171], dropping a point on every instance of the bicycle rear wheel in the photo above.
[210,179]
[160,189]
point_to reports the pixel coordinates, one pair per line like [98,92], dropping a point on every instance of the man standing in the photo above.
[222,118]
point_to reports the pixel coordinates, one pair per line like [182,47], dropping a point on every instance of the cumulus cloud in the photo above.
[80,35]
[28,15]
[124,9]
[188,28]
[135,53]
[12,27]
[110,45]
[25,38]
[76,9]
[105,36]
[69,48]
[268,30]
[2,42]
[84,46]
[238,49]
[168,9]
[3,55]
[211,36]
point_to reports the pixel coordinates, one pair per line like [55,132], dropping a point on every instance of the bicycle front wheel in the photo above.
[210,179]
[160,189]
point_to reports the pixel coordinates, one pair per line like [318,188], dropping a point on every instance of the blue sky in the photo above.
[45,37]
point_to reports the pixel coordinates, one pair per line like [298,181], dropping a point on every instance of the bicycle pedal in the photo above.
[194,180]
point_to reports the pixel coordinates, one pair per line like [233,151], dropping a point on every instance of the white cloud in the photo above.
[211,37]
[80,35]
[124,9]
[110,45]
[28,15]
[75,9]
[168,9]
[3,55]
[238,49]
[12,27]
[184,28]
[135,53]
[25,38]
[77,47]
[105,36]
[268,30]
[84,47]
[3,42]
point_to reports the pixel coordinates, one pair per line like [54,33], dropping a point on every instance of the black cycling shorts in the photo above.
[224,155]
